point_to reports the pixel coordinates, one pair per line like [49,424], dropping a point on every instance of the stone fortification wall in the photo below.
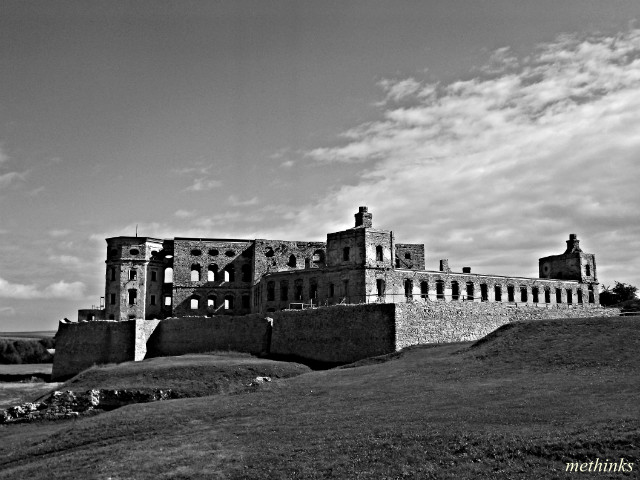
[441,322]
[82,345]
[337,334]
[177,336]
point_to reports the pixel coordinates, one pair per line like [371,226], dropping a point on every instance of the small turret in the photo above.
[364,218]
[573,244]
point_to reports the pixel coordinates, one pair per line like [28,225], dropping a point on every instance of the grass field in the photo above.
[520,404]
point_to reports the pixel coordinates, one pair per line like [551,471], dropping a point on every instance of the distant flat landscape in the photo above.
[36,334]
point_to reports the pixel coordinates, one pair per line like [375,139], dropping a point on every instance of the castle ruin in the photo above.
[151,278]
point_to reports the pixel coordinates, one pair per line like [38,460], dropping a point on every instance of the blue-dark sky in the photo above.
[486,129]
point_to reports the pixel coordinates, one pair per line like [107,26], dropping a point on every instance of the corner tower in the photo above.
[573,264]
[134,278]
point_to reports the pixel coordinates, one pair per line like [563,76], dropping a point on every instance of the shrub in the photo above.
[24,350]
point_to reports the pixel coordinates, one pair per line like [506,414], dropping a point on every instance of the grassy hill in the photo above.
[518,404]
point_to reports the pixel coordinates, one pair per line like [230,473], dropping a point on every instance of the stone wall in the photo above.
[81,345]
[337,334]
[177,336]
[441,322]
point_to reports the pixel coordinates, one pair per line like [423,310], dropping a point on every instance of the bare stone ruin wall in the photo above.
[441,322]
[337,334]
[177,336]
[81,345]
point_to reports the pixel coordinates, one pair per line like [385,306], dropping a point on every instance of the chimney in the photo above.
[444,265]
[363,218]
[573,244]
[466,269]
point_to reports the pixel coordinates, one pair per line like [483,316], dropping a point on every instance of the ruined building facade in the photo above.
[148,278]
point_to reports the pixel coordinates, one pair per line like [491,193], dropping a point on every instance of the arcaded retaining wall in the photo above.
[336,334]
[177,336]
[442,322]
[82,345]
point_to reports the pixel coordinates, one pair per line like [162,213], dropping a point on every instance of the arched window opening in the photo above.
[587,270]
[497,292]
[318,257]
[379,256]
[523,294]
[558,295]
[246,273]
[380,287]
[547,295]
[455,290]
[195,273]
[313,289]
[408,288]
[424,290]
[470,291]
[134,251]
[592,298]
[194,302]
[569,296]
[284,290]
[212,273]
[511,296]
[167,301]
[196,252]
[297,290]
[211,301]
[228,302]
[439,289]
[345,254]
[579,295]
[484,292]
[292,261]
[271,289]
[535,292]
[229,273]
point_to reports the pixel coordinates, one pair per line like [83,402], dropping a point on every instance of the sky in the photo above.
[488,130]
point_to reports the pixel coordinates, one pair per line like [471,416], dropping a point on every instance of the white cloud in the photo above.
[234,201]
[512,160]
[7,311]
[61,289]
[59,232]
[397,90]
[203,184]
[67,260]
[184,213]
[8,178]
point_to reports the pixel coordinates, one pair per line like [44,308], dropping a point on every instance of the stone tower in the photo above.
[134,278]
